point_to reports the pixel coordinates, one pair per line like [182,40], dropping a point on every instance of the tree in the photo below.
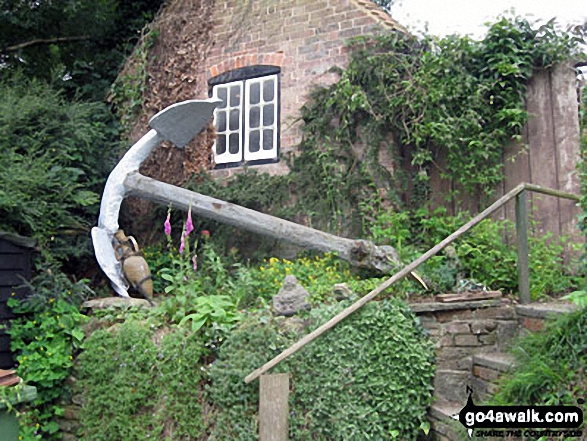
[79,45]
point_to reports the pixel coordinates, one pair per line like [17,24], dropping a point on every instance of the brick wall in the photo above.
[303,37]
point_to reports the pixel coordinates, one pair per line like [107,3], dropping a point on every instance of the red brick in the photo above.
[485,373]
[317,6]
[533,324]
[347,24]
[362,21]
[214,71]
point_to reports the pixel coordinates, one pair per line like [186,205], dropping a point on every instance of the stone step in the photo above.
[532,316]
[498,361]
[487,368]
[444,426]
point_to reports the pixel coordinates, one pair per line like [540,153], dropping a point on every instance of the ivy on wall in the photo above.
[463,95]
[415,99]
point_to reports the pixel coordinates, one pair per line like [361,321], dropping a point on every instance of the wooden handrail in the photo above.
[520,189]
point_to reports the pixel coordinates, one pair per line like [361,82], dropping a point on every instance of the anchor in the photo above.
[180,123]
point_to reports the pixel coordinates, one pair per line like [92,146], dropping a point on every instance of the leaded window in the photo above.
[247,120]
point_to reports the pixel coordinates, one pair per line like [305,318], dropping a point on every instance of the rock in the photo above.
[342,291]
[291,298]
[110,302]
[293,325]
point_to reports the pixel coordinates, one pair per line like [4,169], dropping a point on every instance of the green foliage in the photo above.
[79,45]
[50,167]
[454,96]
[550,365]
[141,384]
[481,255]
[45,337]
[128,90]
[368,377]
[317,274]
[210,310]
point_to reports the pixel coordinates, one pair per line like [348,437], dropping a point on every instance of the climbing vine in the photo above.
[416,100]
[452,96]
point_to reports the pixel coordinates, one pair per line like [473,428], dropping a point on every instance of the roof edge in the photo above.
[373,10]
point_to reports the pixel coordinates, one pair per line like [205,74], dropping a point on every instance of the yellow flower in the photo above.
[262,268]
[51,300]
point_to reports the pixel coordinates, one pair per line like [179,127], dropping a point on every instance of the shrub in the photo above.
[367,377]
[45,337]
[550,365]
[481,255]
[140,382]
[54,157]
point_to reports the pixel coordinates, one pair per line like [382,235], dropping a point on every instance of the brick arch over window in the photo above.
[245,60]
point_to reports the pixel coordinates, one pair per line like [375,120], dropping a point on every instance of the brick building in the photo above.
[263,59]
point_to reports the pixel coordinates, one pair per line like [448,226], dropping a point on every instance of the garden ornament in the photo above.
[178,123]
[134,266]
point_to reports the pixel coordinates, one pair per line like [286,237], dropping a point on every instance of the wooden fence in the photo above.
[547,156]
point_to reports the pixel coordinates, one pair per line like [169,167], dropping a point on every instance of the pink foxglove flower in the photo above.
[195,262]
[182,244]
[167,225]
[189,226]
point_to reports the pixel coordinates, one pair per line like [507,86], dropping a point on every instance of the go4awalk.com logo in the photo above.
[517,421]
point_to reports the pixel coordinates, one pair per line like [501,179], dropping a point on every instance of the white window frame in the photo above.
[244,130]
[263,128]
[226,157]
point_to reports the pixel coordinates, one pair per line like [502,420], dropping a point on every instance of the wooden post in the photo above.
[273,407]
[523,250]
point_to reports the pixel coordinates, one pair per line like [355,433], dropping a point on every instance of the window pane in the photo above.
[221,91]
[268,115]
[220,144]
[254,117]
[235,117]
[255,93]
[254,137]
[267,139]
[221,121]
[233,143]
[235,96]
[268,92]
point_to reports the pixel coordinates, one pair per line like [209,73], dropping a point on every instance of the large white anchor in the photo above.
[178,123]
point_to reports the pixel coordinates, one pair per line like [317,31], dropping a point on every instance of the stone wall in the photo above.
[469,339]
[461,330]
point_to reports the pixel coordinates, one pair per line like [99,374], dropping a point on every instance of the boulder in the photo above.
[291,298]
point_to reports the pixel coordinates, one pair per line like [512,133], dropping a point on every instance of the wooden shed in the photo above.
[15,269]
